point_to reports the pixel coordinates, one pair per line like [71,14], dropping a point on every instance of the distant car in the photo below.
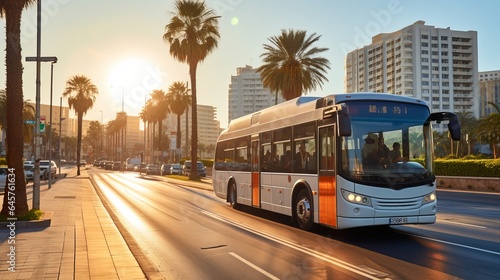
[44,169]
[108,165]
[165,169]
[176,169]
[117,165]
[152,169]
[29,171]
[3,177]
[200,168]
[140,168]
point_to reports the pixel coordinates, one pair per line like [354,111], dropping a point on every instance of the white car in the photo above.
[44,166]
[29,171]
[3,177]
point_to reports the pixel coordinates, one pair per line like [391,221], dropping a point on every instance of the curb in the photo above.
[43,222]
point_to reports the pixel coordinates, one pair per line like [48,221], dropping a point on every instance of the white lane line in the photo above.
[456,244]
[253,266]
[327,258]
[462,224]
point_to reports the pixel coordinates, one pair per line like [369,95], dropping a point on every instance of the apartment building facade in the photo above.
[438,65]
[247,95]
[489,91]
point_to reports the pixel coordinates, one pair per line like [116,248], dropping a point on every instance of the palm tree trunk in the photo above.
[194,119]
[14,89]
[79,142]
[160,124]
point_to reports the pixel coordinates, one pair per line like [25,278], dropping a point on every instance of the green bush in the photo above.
[470,168]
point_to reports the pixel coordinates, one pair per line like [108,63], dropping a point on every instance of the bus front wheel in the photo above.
[232,199]
[304,211]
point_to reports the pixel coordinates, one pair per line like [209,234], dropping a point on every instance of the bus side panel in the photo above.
[255,189]
[327,201]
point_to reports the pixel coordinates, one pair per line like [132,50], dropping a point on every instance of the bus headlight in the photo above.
[356,198]
[429,198]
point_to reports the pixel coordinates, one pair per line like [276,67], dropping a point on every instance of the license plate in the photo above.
[398,221]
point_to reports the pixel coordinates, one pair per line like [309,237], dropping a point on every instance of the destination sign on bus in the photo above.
[386,109]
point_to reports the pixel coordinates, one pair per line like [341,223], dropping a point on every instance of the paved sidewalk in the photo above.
[82,241]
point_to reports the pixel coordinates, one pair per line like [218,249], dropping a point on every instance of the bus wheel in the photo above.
[304,211]
[232,199]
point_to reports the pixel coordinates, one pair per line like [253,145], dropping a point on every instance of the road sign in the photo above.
[29,121]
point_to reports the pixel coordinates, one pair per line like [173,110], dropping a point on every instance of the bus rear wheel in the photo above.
[232,195]
[304,212]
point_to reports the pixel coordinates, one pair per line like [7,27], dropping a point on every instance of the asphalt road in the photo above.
[188,233]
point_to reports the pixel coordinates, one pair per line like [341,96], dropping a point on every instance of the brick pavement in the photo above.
[82,242]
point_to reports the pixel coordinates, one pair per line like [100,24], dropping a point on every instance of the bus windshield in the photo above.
[387,147]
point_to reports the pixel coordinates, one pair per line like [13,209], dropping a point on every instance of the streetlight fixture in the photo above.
[36,179]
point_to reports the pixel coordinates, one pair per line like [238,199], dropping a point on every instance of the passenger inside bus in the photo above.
[396,153]
[301,157]
[370,151]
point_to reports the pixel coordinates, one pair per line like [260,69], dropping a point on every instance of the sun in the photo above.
[124,72]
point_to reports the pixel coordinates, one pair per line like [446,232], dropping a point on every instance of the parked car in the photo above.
[176,169]
[117,165]
[200,168]
[140,168]
[165,169]
[29,171]
[108,165]
[3,177]
[152,169]
[44,169]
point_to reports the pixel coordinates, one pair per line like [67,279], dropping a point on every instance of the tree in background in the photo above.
[160,111]
[193,33]
[292,65]
[488,129]
[179,99]
[81,94]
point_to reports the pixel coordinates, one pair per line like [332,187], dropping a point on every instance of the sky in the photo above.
[118,43]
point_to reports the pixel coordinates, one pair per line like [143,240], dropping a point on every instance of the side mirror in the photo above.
[453,123]
[344,121]
[454,127]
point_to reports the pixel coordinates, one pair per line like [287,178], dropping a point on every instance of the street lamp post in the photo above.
[38,59]
[50,117]
[60,134]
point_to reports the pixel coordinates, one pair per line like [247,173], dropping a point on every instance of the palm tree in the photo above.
[28,114]
[489,129]
[193,33]
[179,101]
[12,11]
[291,65]
[467,124]
[146,116]
[161,109]
[81,93]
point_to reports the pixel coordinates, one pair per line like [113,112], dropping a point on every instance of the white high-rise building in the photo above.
[438,65]
[247,95]
[489,91]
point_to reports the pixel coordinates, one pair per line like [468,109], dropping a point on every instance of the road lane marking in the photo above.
[455,244]
[290,244]
[458,223]
[243,260]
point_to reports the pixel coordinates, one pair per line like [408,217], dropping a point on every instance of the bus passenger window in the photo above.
[305,157]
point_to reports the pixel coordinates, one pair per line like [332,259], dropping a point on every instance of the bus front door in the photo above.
[327,182]
[255,172]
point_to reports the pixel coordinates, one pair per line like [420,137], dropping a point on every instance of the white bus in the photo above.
[331,160]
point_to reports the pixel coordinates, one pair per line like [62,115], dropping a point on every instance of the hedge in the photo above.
[469,168]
